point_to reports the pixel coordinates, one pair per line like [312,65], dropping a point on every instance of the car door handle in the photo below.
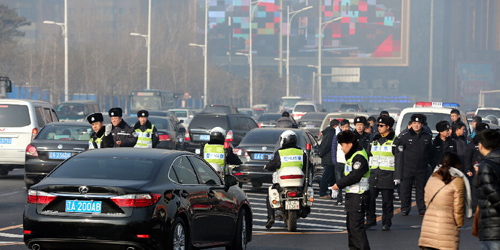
[184,193]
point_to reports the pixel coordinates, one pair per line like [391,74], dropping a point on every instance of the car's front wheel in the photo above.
[240,238]
[179,237]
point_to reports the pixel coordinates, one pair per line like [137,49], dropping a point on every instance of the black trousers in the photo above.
[355,222]
[420,179]
[327,180]
[387,206]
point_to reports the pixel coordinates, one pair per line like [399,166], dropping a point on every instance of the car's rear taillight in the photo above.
[291,194]
[136,200]
[229,136]
[186,136]
[34,132]
[288,177]
[340,111]
[259,124]
[39,197]
[164,137]
[31,150]
[240,152]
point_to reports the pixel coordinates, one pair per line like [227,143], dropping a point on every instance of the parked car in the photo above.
[236,126]
[268,120]
[311,121]
[184,115]
[341,116]
[484,112]
[76,110]
[258,147]
[303,107]
[169,138]
[20,122]
[351,107]
[137,199]
[55,143]
[220,109]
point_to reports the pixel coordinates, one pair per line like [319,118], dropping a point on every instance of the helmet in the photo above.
[218,134]
[288,138]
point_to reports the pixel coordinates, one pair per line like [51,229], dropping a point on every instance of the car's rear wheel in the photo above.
[240,238]
[180,239]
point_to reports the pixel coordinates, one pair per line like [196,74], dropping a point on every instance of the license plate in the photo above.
[204,137]
[59,155]
[76,206]
[261,156]
[5,140]
[292,205]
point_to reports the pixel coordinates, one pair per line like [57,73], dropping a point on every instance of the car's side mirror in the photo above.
[230,180]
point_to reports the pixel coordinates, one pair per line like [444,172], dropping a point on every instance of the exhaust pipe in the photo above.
[35,247]
[130,248]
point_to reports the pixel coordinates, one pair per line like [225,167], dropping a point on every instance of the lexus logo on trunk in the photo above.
[83,190]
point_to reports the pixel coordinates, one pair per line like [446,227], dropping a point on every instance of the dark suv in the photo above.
[236,126]
[220,109]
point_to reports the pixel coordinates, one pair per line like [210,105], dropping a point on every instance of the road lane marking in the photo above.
[11,235]
[11,193]
[11,227]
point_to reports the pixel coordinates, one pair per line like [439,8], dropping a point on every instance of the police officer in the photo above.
[213,151]
[415,155]
[355,183]
[147,135]
[288,150]
[363,137]
[442,142]
[123,134]
[101,137]
[382,165]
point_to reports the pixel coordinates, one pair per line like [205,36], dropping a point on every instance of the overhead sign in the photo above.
[346,74]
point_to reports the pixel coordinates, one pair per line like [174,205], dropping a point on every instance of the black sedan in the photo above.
[268,120]
[258,147]
[166,132]
[132,198]
[55,143]
[312,122]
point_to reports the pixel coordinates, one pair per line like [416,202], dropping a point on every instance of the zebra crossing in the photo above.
[325,216]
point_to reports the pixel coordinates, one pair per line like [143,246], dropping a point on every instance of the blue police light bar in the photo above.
[451,104]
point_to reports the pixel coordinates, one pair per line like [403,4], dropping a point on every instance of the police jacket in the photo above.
[353,201]
[231,158]
[415,152]
[461,146]
[325,149]
[363,140]
[472,156]
[275,163]
[489,196]
[104,141]
[124,133]
[439,147]
[286,122]
[154,135]
[382,175]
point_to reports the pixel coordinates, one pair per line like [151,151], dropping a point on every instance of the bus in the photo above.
[288,102]
[151,99]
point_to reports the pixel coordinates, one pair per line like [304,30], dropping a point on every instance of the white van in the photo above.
[20,122]
[303,107]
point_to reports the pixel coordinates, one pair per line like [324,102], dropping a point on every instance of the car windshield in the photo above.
[246,112]
[180,113]
[313,116]
[485,112]
[289,102]
[106,168]
[70,111]
[208,122]
[304,108]
[14,115]
[432,119]
[64,132]
[269,117]
[217,109]
[145,102]
[265,136]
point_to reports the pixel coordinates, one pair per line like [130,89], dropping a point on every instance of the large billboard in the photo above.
[365,33]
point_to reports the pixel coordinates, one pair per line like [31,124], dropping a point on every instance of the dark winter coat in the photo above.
[106,142]
[325,149]
[461,147]
[439,147]
[124,133]
[415,152]
[489,196]
[472,156]
[363,140]
[285,122]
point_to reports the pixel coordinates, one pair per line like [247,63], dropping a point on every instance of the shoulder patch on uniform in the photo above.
[400,148]
[357,165]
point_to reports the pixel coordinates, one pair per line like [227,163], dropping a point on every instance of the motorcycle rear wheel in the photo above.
[291,222]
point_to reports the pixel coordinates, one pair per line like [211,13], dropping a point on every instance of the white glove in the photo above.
[109,127]
[397,182]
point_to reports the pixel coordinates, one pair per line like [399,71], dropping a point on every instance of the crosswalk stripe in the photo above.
[11,235]
[301,223]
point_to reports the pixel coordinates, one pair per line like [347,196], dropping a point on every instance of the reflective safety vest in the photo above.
[214,154]
[291,157]
[382,156]
[97,141]
[144,139]
[362,185]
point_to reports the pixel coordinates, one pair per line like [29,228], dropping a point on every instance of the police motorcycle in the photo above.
[292,197]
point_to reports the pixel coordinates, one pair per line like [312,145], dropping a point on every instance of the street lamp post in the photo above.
[148,45]
[205,62]
[250,41]
[322,26]
[288,28]
[314,81]
[64,27]
[249,55]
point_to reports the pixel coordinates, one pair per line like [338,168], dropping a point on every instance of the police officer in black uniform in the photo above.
[442,142]
[147,135]
[123,134]
[363,137]
[355,183]
[101,138]
[415,155]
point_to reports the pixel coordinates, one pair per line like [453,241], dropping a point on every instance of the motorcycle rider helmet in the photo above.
[218,135]
[288,139]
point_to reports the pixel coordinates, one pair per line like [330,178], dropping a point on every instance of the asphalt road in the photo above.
[324,228]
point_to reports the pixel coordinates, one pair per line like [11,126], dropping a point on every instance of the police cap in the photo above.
[95,117]
[143,113]
[387,120]
[360,119]
[418,118]
[115,112]
[443,126]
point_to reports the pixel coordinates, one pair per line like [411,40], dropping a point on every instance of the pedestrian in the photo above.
[472,159]
[355,182]
[415,147]
[363,137]
[477,119]
[123,134]
[147,135]
[442,143]
[458,134]
[488,182]
[446,194]
[325,152]
[340,158]
[455,117]
[382,166]
[101,137]
[285,121]
[372,126]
